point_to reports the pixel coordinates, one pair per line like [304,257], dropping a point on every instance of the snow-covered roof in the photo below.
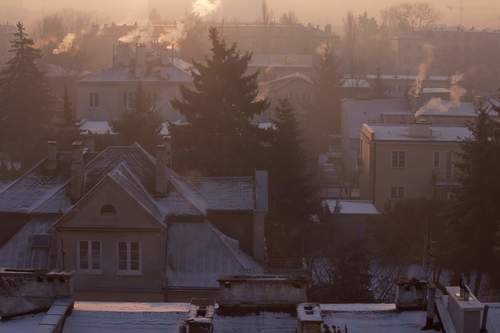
[433,90]
[289,77]
[178,72]
[27,323]
[355,83]
[352,207]
[99,127]
[19,252]
[407,77]
[449,109]
[357,112]
[386,132]
[198,254]
[43,192]
[281,60]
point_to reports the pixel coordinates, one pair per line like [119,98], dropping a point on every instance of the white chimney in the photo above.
[77,172]
[309,318]
[161,183]
[51,155]
[261,210]
[464,310]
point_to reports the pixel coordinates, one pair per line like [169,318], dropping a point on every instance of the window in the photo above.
[108,210]
[89,256]
[397,192]
[129,257]
[94,100]
[437,160]
[129,100]
[398,159]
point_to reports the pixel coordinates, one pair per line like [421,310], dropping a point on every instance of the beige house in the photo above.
[107,95]
[408,161]
[129,227]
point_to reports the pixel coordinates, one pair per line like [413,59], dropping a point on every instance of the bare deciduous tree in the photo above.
[410,16]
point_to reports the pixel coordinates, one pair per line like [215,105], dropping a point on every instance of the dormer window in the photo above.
[108,210]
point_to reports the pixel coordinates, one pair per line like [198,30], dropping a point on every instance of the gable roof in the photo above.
[42,192]
[198,254]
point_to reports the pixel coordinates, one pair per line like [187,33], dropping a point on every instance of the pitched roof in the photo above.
[198,254]
[19,253]
[42,192]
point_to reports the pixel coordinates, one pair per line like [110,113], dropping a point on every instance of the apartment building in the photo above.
[399,161]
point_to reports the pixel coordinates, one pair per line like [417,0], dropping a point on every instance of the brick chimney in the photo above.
[77,172]
[51,155]
[161,183]
[260,212]
[309,318]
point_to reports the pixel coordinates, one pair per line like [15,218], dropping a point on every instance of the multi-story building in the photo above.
[107,95]
[408,161]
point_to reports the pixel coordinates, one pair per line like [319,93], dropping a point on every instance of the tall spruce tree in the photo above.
[220,138]
[476,211]
[140,125]
[291,194]
[25,101]
[326,115]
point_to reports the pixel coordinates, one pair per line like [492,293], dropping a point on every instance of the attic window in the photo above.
[108,210]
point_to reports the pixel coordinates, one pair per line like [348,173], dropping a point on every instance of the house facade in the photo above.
[129,227]
[107,95]
[408,161]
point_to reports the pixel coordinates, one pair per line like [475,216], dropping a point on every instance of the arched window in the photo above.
[108,210]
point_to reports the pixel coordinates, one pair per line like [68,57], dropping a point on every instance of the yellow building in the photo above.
[408,161]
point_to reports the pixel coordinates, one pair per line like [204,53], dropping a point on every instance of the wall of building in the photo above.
[131,223]
[112,101]
[378,176]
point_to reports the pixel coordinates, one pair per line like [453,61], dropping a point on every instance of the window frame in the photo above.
[398,192]
[88,270]
[398,159]
[93,100]
[128,270]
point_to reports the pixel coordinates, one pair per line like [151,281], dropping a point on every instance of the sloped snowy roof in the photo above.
[226,193]
[27,323]
[198,254]
[177,72]
[99,127]
[281,60]
[352,207]
[356,112]
[18,251]
[401,133]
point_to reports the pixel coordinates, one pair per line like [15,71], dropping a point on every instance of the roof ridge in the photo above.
[236,253]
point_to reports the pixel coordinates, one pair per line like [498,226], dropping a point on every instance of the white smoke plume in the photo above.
[173,37]
[66,45]
[423,69]
[204,8]
[436,104]
[143,34]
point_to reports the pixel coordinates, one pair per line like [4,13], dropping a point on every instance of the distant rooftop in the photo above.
[352,207]
[389,132]
[407,77]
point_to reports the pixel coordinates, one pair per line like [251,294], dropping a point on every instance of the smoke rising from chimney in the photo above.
[173,37]
[424,68]
[203,8]
[66,45]
[457,92]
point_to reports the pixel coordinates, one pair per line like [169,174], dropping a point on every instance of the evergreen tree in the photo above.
[291,195]
[219,138]
[142,125]
[476,212]
[25,102]
[326,115]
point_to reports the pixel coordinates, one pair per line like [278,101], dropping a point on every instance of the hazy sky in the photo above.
[479,13]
